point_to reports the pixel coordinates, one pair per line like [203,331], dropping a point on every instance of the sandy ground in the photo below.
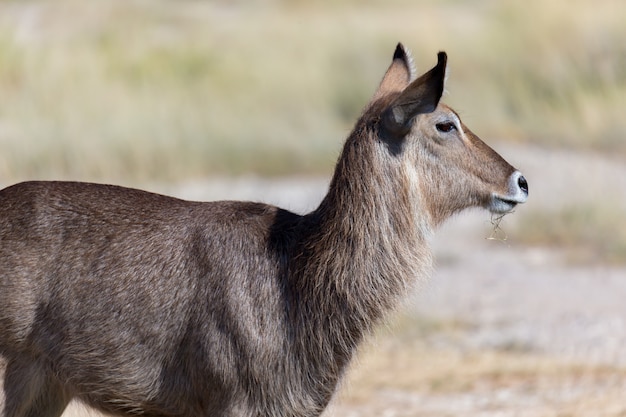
[499,329]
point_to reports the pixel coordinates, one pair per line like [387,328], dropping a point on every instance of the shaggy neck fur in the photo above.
[367,245]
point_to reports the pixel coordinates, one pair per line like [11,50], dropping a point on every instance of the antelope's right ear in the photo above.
[399,74]
[421,96]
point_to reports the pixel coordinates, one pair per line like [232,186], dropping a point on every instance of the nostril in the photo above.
[523,184]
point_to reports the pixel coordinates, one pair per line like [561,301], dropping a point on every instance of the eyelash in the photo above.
[445,127]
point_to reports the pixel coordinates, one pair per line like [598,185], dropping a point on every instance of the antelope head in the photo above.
[450,166]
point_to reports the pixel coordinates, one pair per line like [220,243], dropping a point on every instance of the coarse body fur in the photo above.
[138,303]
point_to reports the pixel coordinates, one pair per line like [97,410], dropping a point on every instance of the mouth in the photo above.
[518,193]
[502,205]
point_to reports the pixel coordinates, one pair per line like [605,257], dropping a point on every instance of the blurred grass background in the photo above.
[130,91]
[589,233]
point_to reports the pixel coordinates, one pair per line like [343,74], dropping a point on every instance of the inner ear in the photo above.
[399,74]
[421,96]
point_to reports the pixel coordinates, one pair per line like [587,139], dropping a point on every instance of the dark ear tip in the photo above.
[399,53]
[442,58]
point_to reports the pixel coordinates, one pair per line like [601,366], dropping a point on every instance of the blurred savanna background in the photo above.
[227,99]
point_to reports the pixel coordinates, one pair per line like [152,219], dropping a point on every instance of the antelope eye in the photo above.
[445,127]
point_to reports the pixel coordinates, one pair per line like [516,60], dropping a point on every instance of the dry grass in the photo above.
[435,382]
[137,90]
[397,376]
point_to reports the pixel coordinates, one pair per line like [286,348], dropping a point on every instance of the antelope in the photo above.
[137,303]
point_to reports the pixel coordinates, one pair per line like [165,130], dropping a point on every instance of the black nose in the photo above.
[523,185]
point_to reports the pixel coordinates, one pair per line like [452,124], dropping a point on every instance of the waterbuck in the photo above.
[141,304]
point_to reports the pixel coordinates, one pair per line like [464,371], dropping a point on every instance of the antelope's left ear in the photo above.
[400,73]
[421,96]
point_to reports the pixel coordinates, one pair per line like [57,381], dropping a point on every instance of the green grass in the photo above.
[164,90]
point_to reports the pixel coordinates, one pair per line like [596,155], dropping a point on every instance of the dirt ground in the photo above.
[500,329]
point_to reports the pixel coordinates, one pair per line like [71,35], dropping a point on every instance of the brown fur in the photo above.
[138,303]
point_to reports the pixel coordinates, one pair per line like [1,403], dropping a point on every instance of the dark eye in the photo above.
[445,127]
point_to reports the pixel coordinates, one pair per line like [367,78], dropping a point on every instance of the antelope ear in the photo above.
[421,96]
[399,74]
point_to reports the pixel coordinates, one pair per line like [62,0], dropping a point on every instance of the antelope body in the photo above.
[141,304]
